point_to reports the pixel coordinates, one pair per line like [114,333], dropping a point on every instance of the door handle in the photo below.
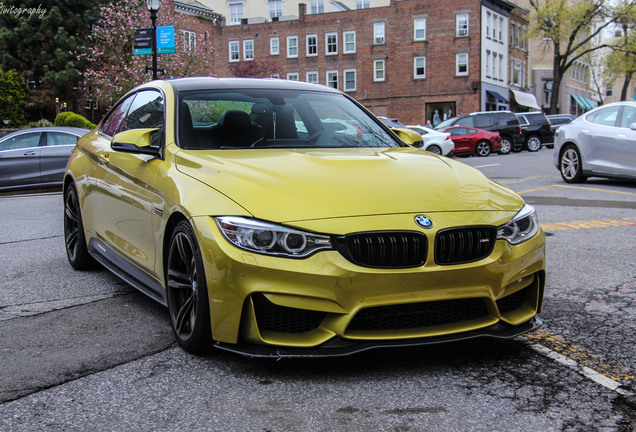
[103,158]
[29,153]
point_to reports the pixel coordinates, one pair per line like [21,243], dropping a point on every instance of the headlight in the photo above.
[520,228]
[270,239]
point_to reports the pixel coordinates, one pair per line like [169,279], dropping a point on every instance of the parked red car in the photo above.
[469,141]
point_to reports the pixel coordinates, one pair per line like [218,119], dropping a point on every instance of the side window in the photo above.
[112,123]
[605,117]
[60,138]
[629,116]
[21,141]
[482,121]
[466,121]
[523,120]
[146,112]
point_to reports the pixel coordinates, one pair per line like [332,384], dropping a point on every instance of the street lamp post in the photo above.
[153,7]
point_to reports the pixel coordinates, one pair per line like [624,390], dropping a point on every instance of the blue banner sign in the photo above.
[165,40]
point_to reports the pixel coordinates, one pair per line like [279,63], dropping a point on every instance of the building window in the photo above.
[419,67]
[274,46]
[349,42]
[488,24]
[292,46]
[312,45]
[317,6]
[312,77]
[488,73]
[378,70]
[516,73]
[275,8]
[494,26]
[378,33]
[349,80]
[501,27]
[189,40]
[363,4]
[332,79]
[236,13]
[248,49]
[461,25]
[331,43]
[461,64]
[419,29]
[500,72]
[292,76]
[234,49]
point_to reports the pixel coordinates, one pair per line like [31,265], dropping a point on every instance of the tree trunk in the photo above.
[557,77]
[628,79]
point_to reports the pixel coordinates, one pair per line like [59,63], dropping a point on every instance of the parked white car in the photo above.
[434,141]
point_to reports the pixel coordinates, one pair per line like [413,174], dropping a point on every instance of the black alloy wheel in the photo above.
[187,291]
[74,239]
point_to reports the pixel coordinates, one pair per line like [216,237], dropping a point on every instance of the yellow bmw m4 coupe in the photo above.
[276,218]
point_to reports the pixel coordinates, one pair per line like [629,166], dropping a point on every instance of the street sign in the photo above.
[165,40]
[143,41]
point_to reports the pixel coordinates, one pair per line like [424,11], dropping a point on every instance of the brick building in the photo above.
[409,60]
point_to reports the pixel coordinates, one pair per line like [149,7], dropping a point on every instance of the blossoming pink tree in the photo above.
[113,69]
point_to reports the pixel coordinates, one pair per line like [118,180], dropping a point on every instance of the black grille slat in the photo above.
[418,315]
[280,319]
[464,245]
[385,249]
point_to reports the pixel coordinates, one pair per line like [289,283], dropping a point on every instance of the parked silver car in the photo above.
[600,143]
[36,157]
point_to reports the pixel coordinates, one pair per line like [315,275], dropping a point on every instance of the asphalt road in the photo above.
[83,351]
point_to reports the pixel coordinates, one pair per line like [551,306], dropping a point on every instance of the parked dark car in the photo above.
[537,130]
[473,141]
[504,122]
[36,157]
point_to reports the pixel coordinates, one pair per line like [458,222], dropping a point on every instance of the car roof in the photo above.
[212,83]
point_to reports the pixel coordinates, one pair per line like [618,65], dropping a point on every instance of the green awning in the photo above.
[579,102]
[589,102]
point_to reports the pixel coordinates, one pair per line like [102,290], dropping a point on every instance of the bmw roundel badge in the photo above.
[423,221]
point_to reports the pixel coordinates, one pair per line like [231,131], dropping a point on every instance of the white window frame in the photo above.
[235,17]
[419,25]
[345,81]
[460,30]
[415,67]
[234,47]
[293,76]
[379,70]
[274,46]
[329,46]
[315,45]
[488,23]
[328,75]
[316,6]
[379,33]
[189,40]
[346,48]
[290,45]
[363,4]
[459,62]
[311,74]
[248,53]
[275,8]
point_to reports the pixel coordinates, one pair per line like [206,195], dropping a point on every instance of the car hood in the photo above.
[283,185]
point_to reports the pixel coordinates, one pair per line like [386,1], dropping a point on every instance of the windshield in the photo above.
[230,119]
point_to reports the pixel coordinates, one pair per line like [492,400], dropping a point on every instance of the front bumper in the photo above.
[338,347]
[325,305]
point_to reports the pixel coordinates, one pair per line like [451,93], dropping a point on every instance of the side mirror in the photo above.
[633,126]
[409,137]
[135,141]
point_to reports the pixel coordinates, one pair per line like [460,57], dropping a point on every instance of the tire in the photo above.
[482,148]
[74,238]
[187,291]
[506,145]
[534,143]
[434,149]
[571,165]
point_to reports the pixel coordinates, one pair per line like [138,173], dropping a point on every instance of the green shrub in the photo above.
[39,123]
[13,94]
[71,119]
